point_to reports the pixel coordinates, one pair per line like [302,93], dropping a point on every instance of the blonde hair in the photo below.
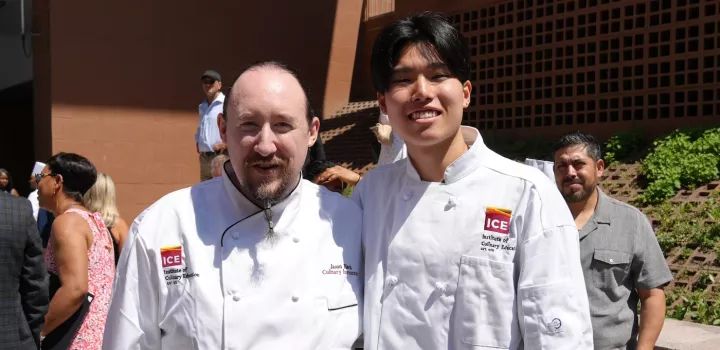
[101,199]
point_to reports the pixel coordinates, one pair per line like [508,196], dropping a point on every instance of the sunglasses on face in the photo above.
[208,81]
[39,177]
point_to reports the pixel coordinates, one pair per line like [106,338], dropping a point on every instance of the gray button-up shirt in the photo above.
[620,254]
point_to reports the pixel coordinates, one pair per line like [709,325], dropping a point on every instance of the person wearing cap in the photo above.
[33,196]
[256,259]
[207,137]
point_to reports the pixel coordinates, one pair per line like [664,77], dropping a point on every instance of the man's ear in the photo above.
[467,92]
[600,166]
[314,131]
[222,126]
[381,102]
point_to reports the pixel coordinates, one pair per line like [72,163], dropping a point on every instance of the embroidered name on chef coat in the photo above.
[340,269]
[172,263]
[497,227]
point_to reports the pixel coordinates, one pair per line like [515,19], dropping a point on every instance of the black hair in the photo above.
[439,38]
[309,113]
[578,138]
[315,168]
[10,184]
[78,173]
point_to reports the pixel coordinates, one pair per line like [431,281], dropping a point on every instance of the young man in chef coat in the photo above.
[255,259]
[463,248]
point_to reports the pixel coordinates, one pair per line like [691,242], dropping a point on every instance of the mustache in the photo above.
[265,161]
[573,181]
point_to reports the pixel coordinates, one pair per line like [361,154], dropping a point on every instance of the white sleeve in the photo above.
[132,322]
[553,307]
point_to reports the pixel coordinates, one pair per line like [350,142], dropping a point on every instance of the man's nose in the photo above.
[571,172]
[265,144]
[422,90]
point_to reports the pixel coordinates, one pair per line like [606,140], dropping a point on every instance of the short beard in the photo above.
[576,197]
[267,194]
[579,196]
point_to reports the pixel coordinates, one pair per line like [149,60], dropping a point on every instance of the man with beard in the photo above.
[620,255]
[255,259]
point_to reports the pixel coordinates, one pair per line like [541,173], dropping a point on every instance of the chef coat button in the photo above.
[295,299]
[295,239]
[391,280]
[611,260]
[407,196]
[236,297]
[236,235]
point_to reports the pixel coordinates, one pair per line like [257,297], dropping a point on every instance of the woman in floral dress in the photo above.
[79,256]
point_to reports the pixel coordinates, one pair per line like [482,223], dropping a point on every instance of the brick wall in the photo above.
[119,82]
[541,67]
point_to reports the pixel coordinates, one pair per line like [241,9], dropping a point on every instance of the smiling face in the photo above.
[576,173]
[424,101]
[267,133]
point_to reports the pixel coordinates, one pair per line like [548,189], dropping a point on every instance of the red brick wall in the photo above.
[566,78]
[120,81]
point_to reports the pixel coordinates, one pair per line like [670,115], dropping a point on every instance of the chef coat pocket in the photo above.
[484,303]
[609,268]
[342,301]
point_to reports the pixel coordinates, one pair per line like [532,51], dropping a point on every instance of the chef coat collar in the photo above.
[244,207]
[465,164]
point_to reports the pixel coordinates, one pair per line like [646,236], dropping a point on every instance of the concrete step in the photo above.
[683,335]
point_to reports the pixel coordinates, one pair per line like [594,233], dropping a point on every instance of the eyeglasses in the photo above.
[208,81]
[39,177]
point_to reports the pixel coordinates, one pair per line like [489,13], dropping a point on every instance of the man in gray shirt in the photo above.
[621,258]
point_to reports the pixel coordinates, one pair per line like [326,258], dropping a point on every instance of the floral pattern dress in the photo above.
[101,275]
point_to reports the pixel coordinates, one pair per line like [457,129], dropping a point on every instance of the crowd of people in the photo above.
[444,245]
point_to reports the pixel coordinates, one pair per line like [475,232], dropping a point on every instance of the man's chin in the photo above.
[575,197]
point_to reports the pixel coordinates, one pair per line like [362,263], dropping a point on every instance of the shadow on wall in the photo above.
[347,138]
[16,140]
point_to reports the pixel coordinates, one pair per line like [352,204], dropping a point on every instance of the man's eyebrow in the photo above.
[433,65]
[244,114]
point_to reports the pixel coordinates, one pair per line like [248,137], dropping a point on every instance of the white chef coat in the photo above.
[547,167]
[487,259]
[181,285]
[33,198]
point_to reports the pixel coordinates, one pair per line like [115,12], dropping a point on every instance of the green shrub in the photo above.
[624,146]
[683,159]
[347,191]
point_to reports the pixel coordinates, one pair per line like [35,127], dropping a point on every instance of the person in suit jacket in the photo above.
[23,277]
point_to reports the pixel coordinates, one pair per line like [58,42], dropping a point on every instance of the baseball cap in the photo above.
[37,169]
[212,75]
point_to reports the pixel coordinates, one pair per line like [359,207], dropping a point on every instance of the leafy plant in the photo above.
[683,159]
[623,146]
[705,279]
[347,191]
